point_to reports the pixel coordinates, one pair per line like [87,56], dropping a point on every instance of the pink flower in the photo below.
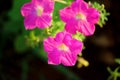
[80,17]
[37,13]
[62,49]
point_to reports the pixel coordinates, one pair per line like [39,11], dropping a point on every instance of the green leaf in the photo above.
[13,26]
[79,36]
[117,60]
[57,7]
[15,13]
[20,44]
[103,13]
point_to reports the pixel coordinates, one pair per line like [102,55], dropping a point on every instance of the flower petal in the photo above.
[71,26]
[66,14]
[29,22]
[67,40]
[84,6]
[54,57]
[27,9]
[86,28]
[59,37]
[76,46]
[44,21]
[48,5]
[77,5]
[49,44]
[68,59]
[93,15]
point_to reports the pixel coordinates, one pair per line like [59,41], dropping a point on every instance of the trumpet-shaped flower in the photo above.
[62,49]
[37,13]
[80,17]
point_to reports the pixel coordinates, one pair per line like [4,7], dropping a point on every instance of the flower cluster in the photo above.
[78,17]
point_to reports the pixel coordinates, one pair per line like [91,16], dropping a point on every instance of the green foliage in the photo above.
[57,24]
[103,13]
[117,60]
[33,38]
[15,12]
[113,74]
[24,39]
[116,73]
[25,69]
[20,44]
[79,36]
[57,6]
[15,24]
[12,27]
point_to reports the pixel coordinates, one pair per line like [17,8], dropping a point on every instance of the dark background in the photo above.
[101,50]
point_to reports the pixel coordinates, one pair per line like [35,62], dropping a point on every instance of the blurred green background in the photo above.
[20,62]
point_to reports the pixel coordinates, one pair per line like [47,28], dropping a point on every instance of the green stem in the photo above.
[61,1]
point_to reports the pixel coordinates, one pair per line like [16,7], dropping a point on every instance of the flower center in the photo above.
[63,47]
[80,16]
[39,10]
